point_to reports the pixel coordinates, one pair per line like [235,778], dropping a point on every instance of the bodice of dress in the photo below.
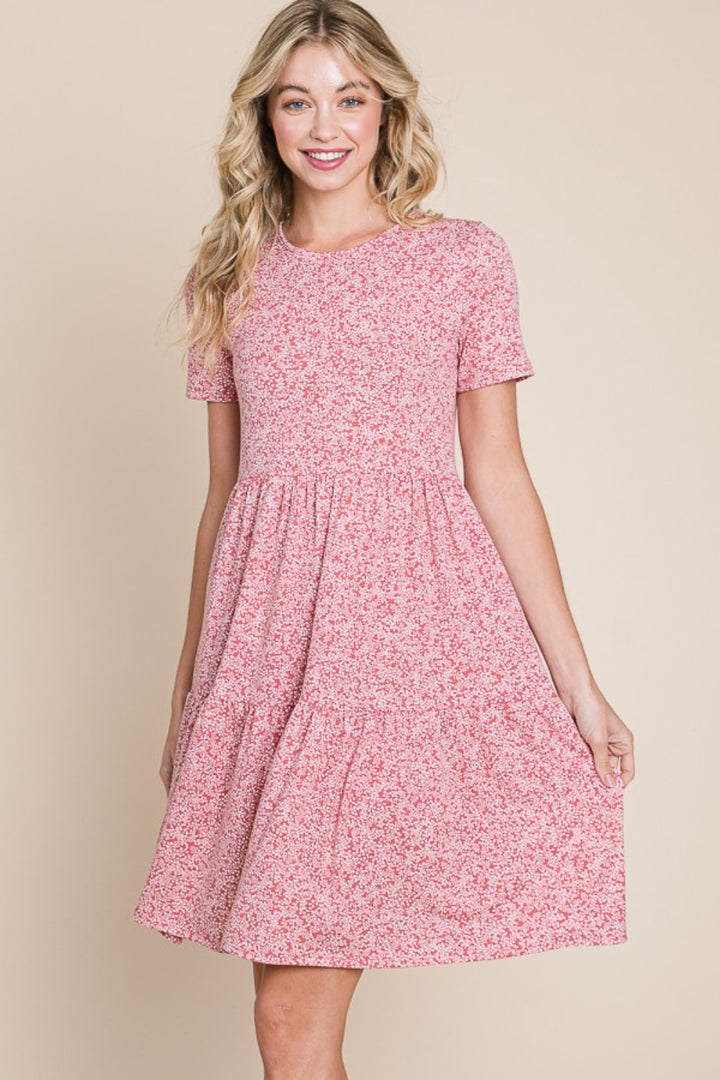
[351,360]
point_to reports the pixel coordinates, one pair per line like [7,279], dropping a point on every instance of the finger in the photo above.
[604,768]
[627,768]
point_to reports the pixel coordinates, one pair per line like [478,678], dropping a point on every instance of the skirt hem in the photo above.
[177,936]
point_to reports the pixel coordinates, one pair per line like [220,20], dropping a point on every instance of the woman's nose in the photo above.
[324,124]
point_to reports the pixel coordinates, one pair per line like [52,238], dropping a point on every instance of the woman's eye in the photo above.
[353,101]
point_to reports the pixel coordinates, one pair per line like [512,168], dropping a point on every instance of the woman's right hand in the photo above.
[168,754]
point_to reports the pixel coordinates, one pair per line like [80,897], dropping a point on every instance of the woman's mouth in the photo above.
[325,159]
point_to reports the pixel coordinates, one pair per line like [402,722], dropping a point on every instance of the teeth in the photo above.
[328,155]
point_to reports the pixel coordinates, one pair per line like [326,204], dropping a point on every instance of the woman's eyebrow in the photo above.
[354,84]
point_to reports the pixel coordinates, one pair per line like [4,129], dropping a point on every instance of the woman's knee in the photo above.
[300,1013]
[286,1030]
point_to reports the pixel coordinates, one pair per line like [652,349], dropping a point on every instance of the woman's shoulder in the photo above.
[468,236]
[473,233]
[475,246]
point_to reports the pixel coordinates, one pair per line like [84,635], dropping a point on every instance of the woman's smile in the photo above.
[325,159]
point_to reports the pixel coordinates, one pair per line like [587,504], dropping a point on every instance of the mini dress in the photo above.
[373,767]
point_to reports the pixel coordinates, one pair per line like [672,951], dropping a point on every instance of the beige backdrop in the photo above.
[586,135]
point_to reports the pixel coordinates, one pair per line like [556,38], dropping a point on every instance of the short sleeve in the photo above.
[491,348]
[199,384]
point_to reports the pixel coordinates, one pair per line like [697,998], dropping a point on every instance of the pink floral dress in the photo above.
[373,768]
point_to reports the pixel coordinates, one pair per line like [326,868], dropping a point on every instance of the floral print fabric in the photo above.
[373,768]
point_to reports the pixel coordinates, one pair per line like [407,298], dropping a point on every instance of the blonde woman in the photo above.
[368,764]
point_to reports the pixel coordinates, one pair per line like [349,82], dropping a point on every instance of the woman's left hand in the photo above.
[610,740]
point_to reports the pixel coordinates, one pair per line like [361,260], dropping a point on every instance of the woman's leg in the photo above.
[258,972]
[300,1015]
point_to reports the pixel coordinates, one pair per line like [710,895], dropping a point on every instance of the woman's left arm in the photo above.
[499,483]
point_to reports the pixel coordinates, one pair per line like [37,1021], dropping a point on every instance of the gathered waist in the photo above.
[315,459]
[351,473]
[345,471]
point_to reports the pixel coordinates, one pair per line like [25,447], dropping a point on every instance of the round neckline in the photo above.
[337,251]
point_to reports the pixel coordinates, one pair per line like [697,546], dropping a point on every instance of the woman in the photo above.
[368,764]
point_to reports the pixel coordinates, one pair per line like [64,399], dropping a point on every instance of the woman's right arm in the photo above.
[224,454]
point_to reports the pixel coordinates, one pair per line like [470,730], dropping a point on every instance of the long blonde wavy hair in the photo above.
[255,183]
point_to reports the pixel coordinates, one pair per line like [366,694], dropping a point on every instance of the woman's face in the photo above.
[322,102]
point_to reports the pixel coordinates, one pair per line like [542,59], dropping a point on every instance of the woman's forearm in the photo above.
[205,542]
[514,516]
